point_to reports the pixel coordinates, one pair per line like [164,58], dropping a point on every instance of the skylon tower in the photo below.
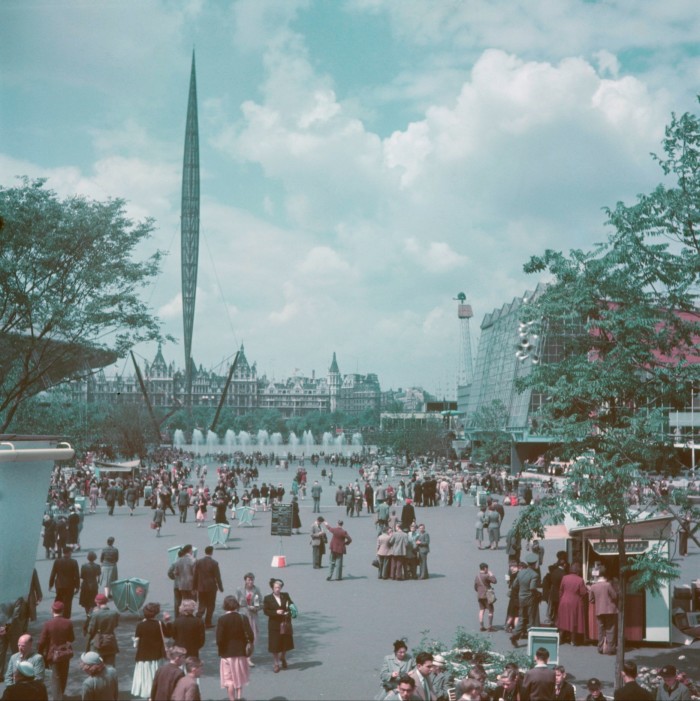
[189,223]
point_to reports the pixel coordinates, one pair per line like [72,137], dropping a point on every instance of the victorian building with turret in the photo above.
[247,392]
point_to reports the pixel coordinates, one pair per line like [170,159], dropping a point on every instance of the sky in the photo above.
[362,161]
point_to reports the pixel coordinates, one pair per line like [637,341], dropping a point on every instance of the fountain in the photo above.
[307,439]
[197,440]
[212,442]
[244,442]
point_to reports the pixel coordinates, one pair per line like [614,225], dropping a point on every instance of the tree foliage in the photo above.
[621,331]
[68,285]
[491,442]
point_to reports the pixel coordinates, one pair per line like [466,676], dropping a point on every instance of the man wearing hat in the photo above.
[25,654]
[55,644]
[595,691]
[671,689]
[25,685]
[526,588]
[441,678]
[102,638]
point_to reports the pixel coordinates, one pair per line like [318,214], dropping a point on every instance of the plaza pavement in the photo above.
[344,628]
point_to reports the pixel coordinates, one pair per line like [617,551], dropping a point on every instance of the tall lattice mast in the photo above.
[190,227]
[465,370]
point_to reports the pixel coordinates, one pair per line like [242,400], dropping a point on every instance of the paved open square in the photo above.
[344,628]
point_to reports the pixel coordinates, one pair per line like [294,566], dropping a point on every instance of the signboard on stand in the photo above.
[281,523]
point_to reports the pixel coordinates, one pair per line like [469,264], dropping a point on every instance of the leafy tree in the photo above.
[59,414]
[68,288]
[128,428]
[620,328]
[491,442]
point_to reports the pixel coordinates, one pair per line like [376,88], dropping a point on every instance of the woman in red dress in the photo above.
[571,619]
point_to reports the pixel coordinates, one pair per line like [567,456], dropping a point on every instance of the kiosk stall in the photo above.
[648,616]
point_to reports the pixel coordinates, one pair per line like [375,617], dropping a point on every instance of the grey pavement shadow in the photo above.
[302,666]
[656,658]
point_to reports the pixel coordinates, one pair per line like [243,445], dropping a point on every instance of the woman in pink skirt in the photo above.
[234,640]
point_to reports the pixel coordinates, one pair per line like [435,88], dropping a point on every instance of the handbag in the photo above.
[490,597]
[284,628]
[105,643]
[293,610]
[375,562]
[60,652]
[153,525]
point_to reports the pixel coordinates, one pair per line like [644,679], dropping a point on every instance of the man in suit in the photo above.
[25,653]
[384,553]
[339,541]
[423,544]
[183,503]
[111,498]
[316,490]
[552,583]
[25,686]
[399,544]
[604,595]
[183,575]
[65,575]
[630,690]
[526,588]
[317,542]
[422,676]
[55,633]
[207,579]
[539,682]
[405,691]
[382,515]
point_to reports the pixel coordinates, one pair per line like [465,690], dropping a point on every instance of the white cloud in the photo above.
[323,261]
[435,257]
[172,309]
[607,62]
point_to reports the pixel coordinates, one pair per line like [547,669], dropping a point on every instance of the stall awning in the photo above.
[118,466]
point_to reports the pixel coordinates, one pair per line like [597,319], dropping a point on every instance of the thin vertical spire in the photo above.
[190,226]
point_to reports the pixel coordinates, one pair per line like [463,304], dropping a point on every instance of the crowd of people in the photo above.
[173,480]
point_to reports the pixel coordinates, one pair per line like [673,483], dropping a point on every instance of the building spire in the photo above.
[190,226]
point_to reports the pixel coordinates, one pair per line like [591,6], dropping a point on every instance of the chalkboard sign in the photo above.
[281,519]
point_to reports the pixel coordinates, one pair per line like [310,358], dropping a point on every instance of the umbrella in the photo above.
[245,516]
[219,533]
[129,594]
[172,552]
